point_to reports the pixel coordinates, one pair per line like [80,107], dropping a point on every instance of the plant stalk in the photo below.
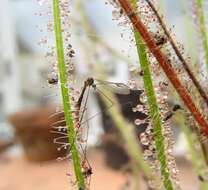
[66,96]
[153,108]
[202,27]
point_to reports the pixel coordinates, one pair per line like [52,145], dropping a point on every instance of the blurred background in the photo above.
[27,101]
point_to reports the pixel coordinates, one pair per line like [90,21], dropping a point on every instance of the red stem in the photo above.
[164,63]
[177,51]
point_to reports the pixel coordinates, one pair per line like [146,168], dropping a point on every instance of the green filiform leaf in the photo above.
[153,109]
[66,96]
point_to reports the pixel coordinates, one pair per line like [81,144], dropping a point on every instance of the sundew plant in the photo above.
[173,86]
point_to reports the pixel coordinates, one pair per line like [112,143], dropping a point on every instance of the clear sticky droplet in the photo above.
[41,2]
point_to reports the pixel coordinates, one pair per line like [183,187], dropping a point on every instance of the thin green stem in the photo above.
[196,156]
[189,31]
[127,133]
[202,26]
[153,109]
[66,96]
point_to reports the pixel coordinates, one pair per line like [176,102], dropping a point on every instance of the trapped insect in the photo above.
[53,79]
[81,106]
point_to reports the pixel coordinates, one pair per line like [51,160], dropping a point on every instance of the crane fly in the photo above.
[80,108]
[78,113]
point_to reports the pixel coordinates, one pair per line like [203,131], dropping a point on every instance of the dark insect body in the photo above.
[176,107]
[88,172]
[89,82]
[53,80]
[121,11]
[71,53]
[141,73]
[160,40]
[168,116]
[201,178]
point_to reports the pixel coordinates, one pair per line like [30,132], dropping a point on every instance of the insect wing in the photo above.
[118,88]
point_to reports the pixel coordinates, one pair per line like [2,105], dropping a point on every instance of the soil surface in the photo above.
[20,174]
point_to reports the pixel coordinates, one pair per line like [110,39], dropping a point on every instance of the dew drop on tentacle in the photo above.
[140,108]
[116,14]
[70,68]
[41,2]
[148,153]
[134,109]
[132,84]
[139,122]
[144,139]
